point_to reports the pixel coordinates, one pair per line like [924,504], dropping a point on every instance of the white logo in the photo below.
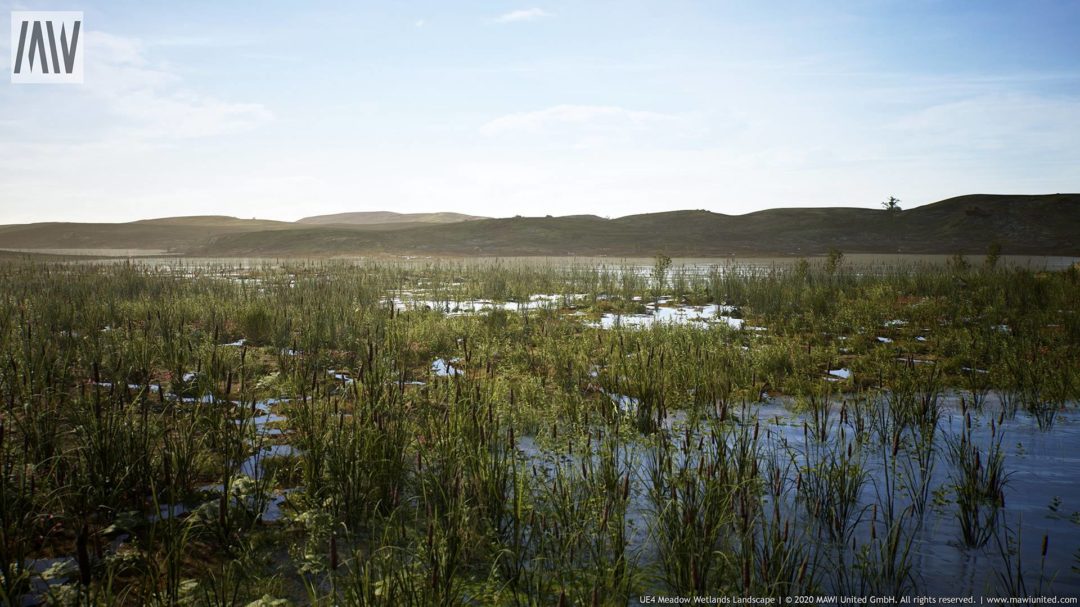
[46,47]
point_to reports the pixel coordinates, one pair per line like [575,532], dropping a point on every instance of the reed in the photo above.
[287,421]
[979,480]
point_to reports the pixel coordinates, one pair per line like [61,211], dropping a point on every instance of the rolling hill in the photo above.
[387,217]
[174,233]
[1024,225]
[1032,225]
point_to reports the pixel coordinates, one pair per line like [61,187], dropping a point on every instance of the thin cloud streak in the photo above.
[528,14]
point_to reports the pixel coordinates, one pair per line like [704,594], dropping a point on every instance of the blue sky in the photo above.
[283,110]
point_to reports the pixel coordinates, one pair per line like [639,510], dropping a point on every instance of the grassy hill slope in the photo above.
[1031,225]
[170,233]
[386,217]
[1039,225]
[176,234]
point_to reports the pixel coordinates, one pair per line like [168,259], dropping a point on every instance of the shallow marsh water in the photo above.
[1042,499]
[1042,495]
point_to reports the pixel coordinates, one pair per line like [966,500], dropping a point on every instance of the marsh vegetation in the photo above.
[508,434]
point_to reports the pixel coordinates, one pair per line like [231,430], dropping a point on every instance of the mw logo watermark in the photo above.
[45,47]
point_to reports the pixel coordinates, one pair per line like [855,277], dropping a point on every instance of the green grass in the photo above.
[517,481]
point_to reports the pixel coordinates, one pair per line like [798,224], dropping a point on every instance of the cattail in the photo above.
[83,556]
[333,551]
[223,506]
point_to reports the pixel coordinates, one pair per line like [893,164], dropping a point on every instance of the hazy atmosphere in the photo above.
[497,109]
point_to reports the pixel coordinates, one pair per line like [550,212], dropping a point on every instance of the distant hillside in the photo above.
[171,233]
[1024,225]
[380,217]
[213,221]
[1031,225]
[174,234]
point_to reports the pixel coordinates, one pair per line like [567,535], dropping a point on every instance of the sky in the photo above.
[282,110]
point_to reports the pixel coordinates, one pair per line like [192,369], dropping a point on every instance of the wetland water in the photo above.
[1041,497]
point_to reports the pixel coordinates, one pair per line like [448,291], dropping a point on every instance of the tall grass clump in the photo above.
[979,480]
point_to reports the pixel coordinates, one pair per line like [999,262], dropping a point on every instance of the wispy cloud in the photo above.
[197,42]
[526,14]
[1002,123]
[571,114]
[589,125]
[146,100]
[110,136]
[128,98]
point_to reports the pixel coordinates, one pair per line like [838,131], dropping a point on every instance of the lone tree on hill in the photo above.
[892,204]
